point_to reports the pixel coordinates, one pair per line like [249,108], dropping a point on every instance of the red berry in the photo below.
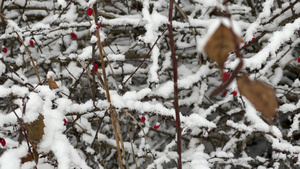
[65,122]
[234,93]
[156,126]
[299,60]
[252,39]
[225,77]
[143,119]
[3,142]
[175,123]
[74,35]
[31,42]
[224,93]
[244,46]
[98,26]
[4,50]
[89,11]
[95,67]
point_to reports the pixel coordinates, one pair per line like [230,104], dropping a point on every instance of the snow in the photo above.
[295,125]
[277,76]
[94,39]
[133,20]
[71,14]
[116,57]
[63,3]
[287,107]
[218,131]
[2,68]
[278,38]
[198,158]
[185,82]
[33,107]
[11,157]
[267,5]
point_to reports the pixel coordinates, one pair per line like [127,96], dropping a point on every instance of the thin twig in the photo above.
[87,70]
[186,18]
[129,134]
[138,125]
[112,70]
[2,16]
[145,57]
[97,131]
[102,161]
[62,11]
[33,64]
[121,138]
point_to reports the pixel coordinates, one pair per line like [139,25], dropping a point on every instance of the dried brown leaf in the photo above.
[27,158]
[52,83]
[220,44]
[35,129]
[261,95]
[31,156]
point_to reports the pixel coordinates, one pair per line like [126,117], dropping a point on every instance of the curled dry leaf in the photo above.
[52,83]
[261,95]
[31,156]
[35,129]
[27,158]
[220,44]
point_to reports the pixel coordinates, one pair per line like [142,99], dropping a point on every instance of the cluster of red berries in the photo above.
[234,93]
[225,77]
[4,50]
[98,26]
[31,42]
[73,35]
[246,43]
[2,141]
[90,13]
[156,125]
[95,67]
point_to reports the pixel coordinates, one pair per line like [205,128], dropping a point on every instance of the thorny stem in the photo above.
[175,79]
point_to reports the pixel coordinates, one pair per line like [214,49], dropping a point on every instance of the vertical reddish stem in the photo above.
[176,107]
